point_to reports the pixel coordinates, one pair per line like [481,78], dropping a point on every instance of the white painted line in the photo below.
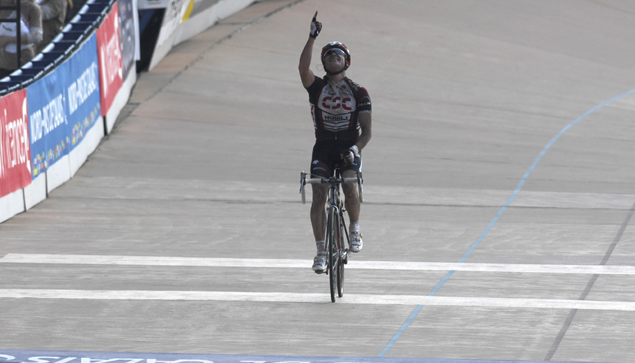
[316,298]
[153,261]
[288,263]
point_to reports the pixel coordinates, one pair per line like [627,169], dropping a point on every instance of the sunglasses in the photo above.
[335,51]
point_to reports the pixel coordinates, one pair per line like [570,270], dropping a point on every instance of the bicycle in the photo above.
[336,246]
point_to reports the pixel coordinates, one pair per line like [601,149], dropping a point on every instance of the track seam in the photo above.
[587,290]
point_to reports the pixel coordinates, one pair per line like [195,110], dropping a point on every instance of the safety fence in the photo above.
[58,107]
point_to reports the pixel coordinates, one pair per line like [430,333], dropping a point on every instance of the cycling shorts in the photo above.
[326,156]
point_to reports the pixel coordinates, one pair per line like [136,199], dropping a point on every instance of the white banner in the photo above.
[152,4]
[172,19]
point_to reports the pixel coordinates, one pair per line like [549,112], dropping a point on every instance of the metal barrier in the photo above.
[18,20]
[78,29]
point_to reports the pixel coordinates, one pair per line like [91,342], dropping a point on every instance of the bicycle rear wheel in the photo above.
[333,253]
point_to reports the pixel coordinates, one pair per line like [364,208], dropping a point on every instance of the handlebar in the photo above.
[331,181]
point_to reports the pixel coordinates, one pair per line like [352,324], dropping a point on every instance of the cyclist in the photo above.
[341,111]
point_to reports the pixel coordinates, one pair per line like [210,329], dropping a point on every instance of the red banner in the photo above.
[15,150]
[109,53]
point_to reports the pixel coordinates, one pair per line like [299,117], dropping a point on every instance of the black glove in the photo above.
[316,27]
[349,154]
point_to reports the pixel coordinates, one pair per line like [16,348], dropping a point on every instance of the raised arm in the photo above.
[304,67]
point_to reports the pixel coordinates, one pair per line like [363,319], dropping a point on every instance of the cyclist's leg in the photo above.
[318,213]
[320,167]
[352,196]
[353,204]
[350,189]
[318,221]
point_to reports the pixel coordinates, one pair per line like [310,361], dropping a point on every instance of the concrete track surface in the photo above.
[498,183]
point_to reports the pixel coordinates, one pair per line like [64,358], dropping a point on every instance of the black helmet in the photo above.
[335,46]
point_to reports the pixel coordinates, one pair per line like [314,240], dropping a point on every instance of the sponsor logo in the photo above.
[337,117]
[79,91]
[83,357]
[110,59]
[336,103]
[14,142]
[47,119]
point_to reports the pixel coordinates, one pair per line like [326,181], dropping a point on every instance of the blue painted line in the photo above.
[495,219]
[441,283]
[401,330]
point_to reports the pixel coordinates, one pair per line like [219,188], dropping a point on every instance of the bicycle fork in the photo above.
[343,247]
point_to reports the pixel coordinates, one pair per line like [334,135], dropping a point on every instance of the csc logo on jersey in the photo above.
[335,103]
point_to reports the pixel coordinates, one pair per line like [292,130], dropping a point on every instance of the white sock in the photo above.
[321,246]
[354,226]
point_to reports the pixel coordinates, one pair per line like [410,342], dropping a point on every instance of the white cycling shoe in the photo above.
[356,241]
[319,263]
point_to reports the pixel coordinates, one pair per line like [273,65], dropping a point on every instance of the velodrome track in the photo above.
[498,184]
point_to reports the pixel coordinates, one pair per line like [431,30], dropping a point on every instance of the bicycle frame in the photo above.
[336,247]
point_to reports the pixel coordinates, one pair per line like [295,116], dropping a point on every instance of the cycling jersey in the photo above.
[335,108]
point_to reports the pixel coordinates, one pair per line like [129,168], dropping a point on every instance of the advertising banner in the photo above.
[63,106]
[82,81]
[48,122]
[127,35]
[109,54]
[15,151]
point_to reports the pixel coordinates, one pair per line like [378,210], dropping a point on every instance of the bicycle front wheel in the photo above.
[340,250]
[333,253]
